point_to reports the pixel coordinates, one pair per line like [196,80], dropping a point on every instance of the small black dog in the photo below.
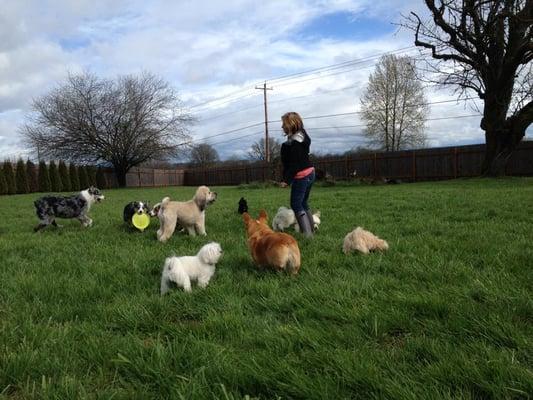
[135,207]
[243,206]
[48,208]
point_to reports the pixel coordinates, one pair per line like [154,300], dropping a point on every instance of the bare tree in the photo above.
[258,150]
[125,122]
[203,155]
[394,106]
[485,46]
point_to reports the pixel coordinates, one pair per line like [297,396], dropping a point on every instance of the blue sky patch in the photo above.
[74,43]
[344,25]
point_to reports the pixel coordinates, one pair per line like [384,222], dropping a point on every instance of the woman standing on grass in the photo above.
[297,169]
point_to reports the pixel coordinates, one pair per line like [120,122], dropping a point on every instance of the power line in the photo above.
[230,112]
[337,65]
[202,140]
[240,137]
[362,125]
[278,101]
[222,97]
[221,134]
[300,81]
[312,117]
[282,78]
[348,126]
[221,103]
[358,112]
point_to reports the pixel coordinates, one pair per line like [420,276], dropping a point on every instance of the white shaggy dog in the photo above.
[363,241]
[285,218]
[183,270]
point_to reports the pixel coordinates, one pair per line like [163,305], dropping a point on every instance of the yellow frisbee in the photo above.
[140,221]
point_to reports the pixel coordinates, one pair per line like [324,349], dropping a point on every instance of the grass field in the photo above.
[446,313]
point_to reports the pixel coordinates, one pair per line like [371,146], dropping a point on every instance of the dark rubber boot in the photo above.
[311,219]
[305,226]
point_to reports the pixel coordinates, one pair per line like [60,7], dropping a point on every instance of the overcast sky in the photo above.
[211,49]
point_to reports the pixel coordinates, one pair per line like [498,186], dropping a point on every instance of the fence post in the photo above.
[414,165]
[139,175]
[375,164]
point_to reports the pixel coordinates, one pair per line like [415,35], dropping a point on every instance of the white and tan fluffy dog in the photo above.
[183,270]
[363,241]
[188,214]
[285,219]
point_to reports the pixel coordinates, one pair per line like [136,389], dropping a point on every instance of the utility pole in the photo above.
[267,144]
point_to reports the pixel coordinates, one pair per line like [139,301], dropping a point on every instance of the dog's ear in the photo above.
[263,215]
[200,197]
[246,217]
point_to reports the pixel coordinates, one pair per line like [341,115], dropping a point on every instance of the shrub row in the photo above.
[26,177]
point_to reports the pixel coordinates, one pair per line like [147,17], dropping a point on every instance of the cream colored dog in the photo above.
[188,214]
[285,218]
[363,241]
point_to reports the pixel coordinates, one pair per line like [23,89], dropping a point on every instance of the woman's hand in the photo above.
[283,184]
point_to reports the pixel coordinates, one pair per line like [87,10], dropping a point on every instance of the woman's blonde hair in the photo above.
[293,122]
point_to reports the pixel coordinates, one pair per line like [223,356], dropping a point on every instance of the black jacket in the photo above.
[295,157]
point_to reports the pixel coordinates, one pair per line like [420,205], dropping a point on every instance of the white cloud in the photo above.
[206,50]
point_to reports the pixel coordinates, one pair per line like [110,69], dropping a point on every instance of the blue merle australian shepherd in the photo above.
[77,206]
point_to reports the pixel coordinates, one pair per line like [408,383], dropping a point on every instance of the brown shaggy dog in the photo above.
[276,250]
[363,241]
[188,214]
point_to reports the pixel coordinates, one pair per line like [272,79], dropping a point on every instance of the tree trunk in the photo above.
[500,144]
[120,173]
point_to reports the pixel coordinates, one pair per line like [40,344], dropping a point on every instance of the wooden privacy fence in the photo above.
[412,165]
[148,177]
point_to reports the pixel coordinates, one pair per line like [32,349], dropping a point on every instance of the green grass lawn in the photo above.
[446,313]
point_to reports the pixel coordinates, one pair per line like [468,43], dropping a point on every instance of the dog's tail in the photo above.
[293,260]
[164,202]
[165,279]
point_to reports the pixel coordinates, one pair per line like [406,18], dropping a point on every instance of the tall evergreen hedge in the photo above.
[44,177]
[91,175]
[3,183]
[101,180]
[55,179]
[33,179]
[9,174]
[21,177]
[84,177]
[74,179]
[64,176]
